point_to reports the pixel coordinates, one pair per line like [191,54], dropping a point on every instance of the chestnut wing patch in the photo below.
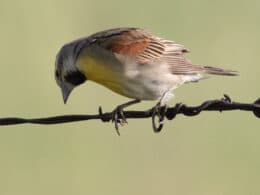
[146,48]
[135,43]
[132,49]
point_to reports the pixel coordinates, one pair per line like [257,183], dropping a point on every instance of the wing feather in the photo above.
[146,49]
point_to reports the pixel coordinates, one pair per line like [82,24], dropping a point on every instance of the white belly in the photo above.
[151,81]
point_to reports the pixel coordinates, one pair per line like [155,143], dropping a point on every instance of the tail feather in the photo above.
[219,71]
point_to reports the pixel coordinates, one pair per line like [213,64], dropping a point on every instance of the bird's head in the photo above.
[67,74]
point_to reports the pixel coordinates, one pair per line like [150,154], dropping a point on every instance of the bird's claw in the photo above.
[160,112]
[118,117]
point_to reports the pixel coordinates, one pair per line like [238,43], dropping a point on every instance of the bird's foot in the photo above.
[117,115]
[118,118]
[159,111]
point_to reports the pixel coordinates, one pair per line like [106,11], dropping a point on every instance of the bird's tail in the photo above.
[219,71]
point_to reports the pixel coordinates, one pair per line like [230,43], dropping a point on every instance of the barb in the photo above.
[224,104]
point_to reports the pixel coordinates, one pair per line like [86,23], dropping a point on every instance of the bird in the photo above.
[131,62]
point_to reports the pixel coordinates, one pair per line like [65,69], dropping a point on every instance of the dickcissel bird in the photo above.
[131,62]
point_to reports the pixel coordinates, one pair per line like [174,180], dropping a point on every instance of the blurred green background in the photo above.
[210,154]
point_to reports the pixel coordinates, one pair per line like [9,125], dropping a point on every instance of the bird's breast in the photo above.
[102,71]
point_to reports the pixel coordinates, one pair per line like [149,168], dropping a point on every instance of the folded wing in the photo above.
[146,48]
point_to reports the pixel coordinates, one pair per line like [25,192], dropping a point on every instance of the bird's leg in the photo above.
[118,114]
[159,110]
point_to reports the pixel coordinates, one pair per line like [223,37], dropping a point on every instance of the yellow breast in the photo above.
[101,72]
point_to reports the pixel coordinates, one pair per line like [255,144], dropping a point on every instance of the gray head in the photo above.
[67,74]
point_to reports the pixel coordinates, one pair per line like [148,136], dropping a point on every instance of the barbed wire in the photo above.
[224,104]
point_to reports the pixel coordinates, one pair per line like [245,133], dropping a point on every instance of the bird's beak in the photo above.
[66,90]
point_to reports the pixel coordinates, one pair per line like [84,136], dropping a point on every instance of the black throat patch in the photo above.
[75,78]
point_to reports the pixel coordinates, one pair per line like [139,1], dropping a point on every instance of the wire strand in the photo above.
[224,104]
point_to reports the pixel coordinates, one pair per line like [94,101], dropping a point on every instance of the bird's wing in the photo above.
[146,49]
